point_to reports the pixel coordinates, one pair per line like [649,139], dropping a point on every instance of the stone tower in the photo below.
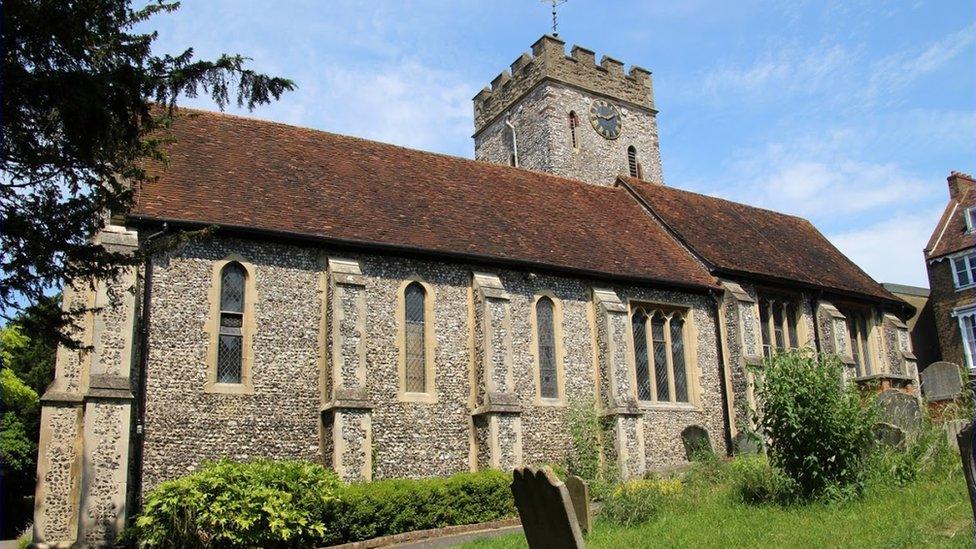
[568,116]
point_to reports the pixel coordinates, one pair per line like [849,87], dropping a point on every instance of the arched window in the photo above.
[415,349]
[678,359]
[230,345]
[573,124]
[548,380]
[639,325]
[660,358]
[632,164]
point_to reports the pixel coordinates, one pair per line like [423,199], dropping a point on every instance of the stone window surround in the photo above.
[969,257]
[212,329]
[796,323]
[557,326]
[573,127]
[873,349]
[430,343]
[962,314]
[690,335]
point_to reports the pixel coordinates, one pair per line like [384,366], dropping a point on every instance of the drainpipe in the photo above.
[508,122]
[721,372]
[143,363]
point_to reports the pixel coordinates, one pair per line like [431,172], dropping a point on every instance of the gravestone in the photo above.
[544,505]
[745,444]
[696,440]
[579,494]
[941,381]
[966,443]
[899,409]
[888,435]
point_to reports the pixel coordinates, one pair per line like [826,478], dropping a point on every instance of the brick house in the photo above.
[391,312]
[950,258]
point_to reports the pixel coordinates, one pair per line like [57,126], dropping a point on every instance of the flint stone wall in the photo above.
[545,142]
[185,425]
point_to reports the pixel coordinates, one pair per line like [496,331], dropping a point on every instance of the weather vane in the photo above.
[554,3]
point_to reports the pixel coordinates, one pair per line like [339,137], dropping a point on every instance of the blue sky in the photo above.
[848,113]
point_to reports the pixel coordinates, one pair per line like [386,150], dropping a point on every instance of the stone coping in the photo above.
[433,533]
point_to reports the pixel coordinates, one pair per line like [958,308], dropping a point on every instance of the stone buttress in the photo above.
[83,469]
[622,420]
[496,416]
[347,430]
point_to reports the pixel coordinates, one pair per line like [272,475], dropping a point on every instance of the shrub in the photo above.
[818,428]
[260,503]
[639,501]
[754,480]
[369,510]
[584,428]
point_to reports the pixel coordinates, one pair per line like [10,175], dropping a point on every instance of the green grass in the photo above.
[933,512]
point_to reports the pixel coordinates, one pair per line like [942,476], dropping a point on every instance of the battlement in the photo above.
[549,60]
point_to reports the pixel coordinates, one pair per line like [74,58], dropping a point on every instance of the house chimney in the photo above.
[960,183]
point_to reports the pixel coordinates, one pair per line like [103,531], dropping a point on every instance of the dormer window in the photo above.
[970,219]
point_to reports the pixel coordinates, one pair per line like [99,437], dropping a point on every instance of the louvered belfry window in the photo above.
[414,345]
[230,346]
[659,355]
[548,381]
[573,124]
[632,162]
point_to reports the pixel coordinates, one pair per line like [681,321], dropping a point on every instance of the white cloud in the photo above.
[900,69]
[891,250]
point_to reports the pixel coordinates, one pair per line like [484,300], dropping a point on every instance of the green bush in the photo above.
[299,504]
[638,501]
[754,480]
[260,503]
[373,509]
[818,428]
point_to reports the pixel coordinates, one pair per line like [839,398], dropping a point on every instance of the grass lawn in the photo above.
[932,512]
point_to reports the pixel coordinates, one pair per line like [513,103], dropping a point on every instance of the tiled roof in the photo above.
[742,239]
[951,234]
[257,175]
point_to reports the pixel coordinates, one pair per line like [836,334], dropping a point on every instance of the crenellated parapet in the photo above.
[548,60]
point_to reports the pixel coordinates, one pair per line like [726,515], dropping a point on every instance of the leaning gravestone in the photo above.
[544,505]
[579,494]
[899,409]
[887,435]
[941,381]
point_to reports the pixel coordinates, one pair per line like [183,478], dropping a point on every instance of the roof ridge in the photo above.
[713,197]
[551,177]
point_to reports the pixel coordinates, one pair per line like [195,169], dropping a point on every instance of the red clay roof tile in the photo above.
[744,239]
[240,172]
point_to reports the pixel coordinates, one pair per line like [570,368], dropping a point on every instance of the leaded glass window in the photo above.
[548,381]
[660,358]
[778,319]
[230,344]
[678,359]
[414,341]
[859,329]
[639,324]
[659,355]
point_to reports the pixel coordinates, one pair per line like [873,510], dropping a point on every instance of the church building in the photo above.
[389,312]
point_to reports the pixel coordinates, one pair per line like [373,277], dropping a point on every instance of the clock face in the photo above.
[606,119]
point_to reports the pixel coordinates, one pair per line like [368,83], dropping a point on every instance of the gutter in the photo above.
[143,366]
